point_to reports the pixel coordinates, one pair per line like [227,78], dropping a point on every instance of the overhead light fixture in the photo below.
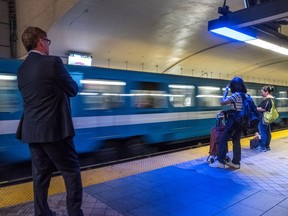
[231,33]
[237,35]
[239,26]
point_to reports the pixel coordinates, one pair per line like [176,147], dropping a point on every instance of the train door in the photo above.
[102,105]
[281,98]
[182,108]
[11,149]
[208,101]
[149,109]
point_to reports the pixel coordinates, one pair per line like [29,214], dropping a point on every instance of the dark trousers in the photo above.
[63,156]
[232,130]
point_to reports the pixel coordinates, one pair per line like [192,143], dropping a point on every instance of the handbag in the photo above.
[255,142]
[272,115]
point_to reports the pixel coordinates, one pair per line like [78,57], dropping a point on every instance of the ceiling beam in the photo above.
[258,14]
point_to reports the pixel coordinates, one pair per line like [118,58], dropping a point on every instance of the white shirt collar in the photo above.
[36,51]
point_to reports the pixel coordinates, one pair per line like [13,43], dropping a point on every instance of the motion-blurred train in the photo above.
[123,108]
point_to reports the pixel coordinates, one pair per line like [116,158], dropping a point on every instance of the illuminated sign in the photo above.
[79,59]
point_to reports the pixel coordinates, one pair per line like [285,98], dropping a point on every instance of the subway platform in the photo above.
[174,184]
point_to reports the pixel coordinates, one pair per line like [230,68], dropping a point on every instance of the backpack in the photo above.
[248,117]
[272,115]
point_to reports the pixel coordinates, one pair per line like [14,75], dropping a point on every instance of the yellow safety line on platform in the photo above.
[22,193]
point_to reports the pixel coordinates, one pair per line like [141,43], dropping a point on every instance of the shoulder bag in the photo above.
[272,115]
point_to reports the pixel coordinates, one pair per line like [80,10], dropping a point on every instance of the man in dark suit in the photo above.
[46,124]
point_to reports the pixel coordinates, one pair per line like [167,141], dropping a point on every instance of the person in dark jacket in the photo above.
[46,124]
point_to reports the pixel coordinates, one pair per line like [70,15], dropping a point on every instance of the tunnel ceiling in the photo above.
[163,36]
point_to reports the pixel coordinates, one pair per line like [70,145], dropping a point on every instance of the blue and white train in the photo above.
[120,107]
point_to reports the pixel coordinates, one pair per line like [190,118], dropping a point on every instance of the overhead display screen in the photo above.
[79,59]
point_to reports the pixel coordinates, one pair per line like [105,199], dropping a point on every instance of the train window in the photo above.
[8,93]
[282,99]
[102,94]
[182,95]
[148,95]
[256,95]
[209,96]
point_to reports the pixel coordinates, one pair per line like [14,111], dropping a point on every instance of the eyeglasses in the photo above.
[46,39]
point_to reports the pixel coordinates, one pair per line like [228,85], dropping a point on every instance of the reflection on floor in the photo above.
[187,188]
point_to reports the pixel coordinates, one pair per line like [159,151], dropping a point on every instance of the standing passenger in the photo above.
[232,128]
[46,124]
[264,128]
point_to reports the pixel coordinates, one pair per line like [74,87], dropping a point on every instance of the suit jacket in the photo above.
[46,88]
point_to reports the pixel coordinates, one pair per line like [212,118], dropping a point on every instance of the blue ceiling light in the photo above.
[231,33]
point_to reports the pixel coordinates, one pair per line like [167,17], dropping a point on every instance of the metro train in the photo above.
[121,107]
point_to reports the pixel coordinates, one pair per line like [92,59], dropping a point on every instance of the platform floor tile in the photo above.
[187,188]
[183,192]
[91,207]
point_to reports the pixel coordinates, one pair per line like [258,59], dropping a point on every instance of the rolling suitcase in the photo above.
[215,135]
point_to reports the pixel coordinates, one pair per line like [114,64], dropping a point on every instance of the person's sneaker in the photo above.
[260,149]
[268,148]
[217,164]
[232,165]
[263,150]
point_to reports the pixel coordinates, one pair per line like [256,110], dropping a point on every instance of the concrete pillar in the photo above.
[5,30]
[41,13]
